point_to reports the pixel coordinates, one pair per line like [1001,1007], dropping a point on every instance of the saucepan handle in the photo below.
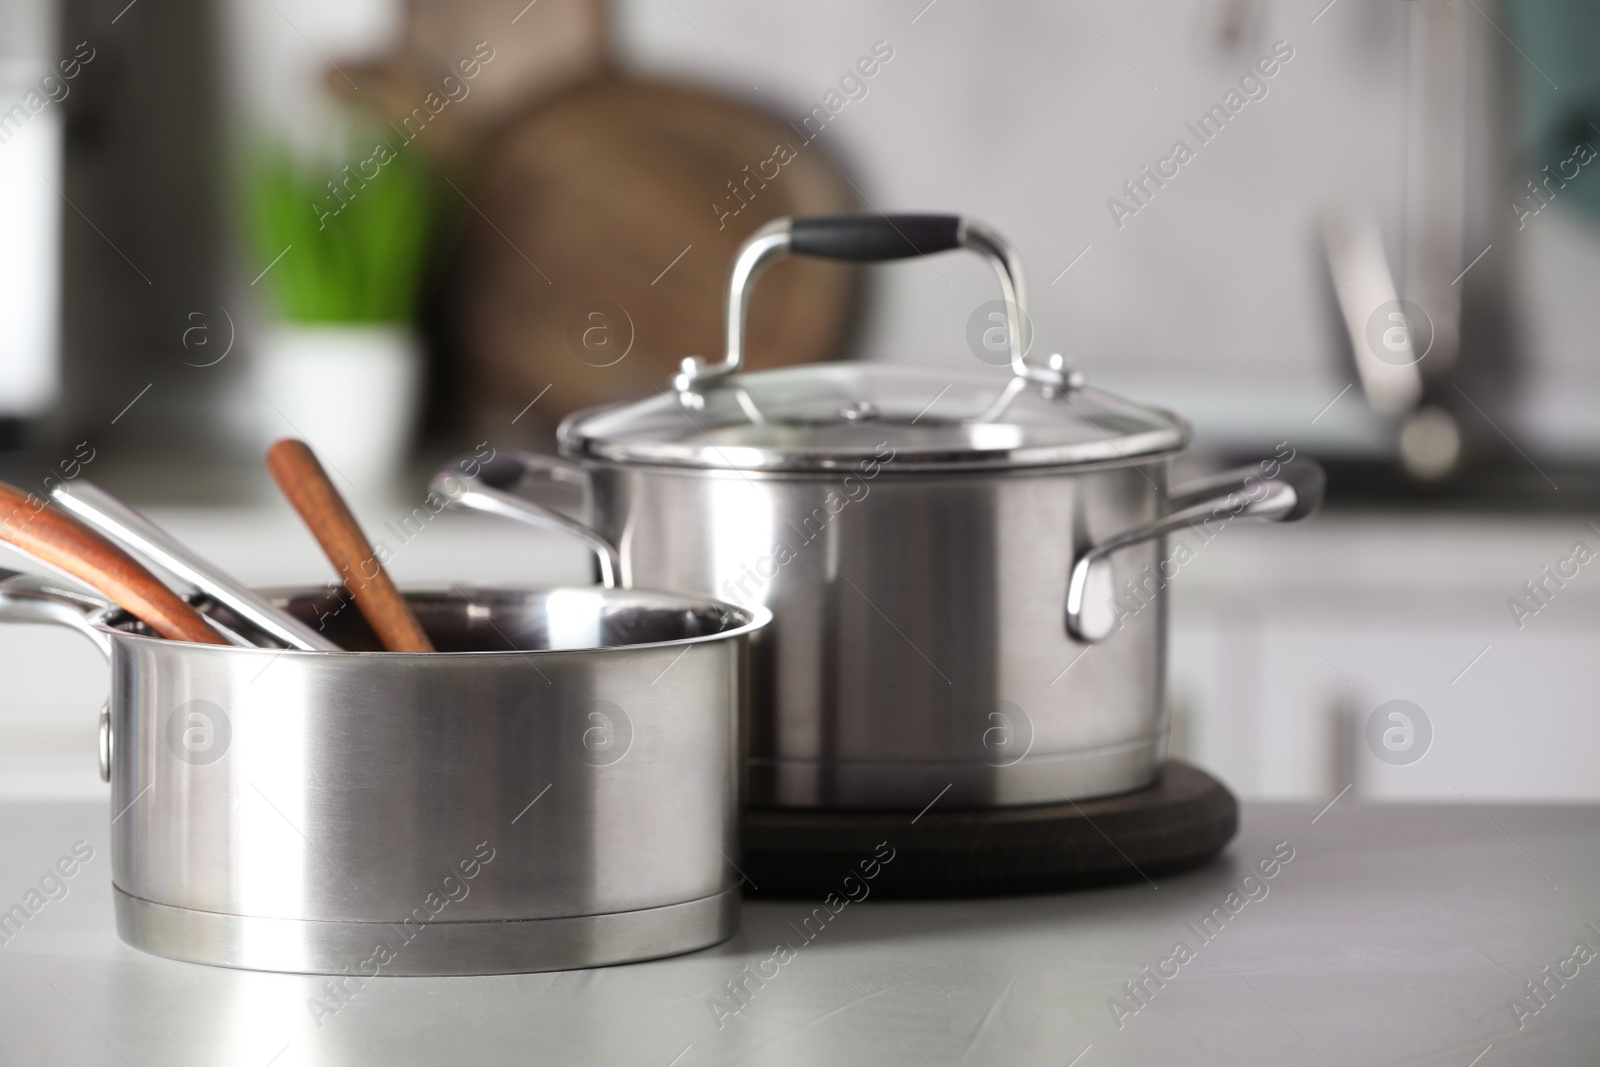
[867,239]
[29,598]
[493,489]
[1271,491]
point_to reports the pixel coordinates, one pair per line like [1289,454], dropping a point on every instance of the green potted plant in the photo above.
[341,248]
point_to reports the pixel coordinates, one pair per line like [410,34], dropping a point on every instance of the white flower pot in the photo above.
[350,391]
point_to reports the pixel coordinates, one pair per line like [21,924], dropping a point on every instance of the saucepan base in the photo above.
[364,949]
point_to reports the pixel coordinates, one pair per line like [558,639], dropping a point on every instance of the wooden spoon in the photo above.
[56,538]
[307,486]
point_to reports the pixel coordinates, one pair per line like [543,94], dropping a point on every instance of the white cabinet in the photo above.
[1286,639]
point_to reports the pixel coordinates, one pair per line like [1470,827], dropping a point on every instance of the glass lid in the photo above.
[827,416]
[836,415]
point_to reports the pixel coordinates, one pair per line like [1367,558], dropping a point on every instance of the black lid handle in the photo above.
[874,238]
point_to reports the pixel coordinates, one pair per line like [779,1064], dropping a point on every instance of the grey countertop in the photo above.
[1394,935]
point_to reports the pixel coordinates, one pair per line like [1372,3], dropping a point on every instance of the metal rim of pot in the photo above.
[29,598]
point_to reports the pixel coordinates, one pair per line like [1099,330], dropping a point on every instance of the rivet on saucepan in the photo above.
[860,411]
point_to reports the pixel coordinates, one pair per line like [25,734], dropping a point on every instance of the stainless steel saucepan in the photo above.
[557,787]
[967,572]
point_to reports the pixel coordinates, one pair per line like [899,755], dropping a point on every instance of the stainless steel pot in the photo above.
[558,787]
[967,572]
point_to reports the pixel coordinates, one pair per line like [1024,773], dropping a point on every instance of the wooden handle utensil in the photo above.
[307,486]
[56,538]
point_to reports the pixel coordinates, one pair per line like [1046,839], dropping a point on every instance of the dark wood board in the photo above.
[608,212]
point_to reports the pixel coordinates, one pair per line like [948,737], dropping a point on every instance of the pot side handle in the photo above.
[492,490]
[29,598]
[1295,492]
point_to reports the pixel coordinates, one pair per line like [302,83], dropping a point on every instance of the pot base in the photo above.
[442,948]
[903,785]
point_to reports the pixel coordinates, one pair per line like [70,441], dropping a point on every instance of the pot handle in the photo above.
[30,598]
[1294,492]
[867,239]
[493,490]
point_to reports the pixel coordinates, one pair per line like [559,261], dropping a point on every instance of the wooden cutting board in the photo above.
[601,228]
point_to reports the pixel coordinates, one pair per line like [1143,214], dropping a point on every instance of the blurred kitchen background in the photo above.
[402,228]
